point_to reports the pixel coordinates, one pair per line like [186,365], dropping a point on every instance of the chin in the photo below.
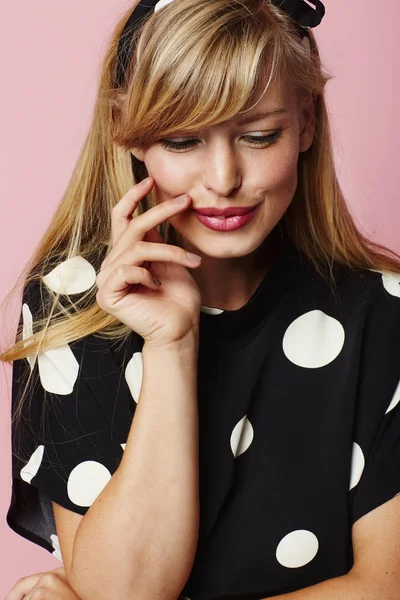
[229,247]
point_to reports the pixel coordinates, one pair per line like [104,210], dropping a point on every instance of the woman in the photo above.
[263,455]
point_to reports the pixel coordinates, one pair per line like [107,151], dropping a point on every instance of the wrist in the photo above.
[187,344]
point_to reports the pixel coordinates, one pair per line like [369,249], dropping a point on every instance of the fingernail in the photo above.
[180,200]
[156,280]
[144,181]
[193,257]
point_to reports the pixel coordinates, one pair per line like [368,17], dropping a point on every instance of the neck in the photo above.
[229,284]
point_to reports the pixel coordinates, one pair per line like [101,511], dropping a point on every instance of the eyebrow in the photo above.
[260,115]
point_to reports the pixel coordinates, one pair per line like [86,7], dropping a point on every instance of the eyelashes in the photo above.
[255,141]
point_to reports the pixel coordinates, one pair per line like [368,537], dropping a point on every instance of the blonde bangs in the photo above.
[197,66]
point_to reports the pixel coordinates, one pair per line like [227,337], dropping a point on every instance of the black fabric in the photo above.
[301,11]
[298,401]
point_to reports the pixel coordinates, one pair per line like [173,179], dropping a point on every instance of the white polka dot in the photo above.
[357,465]
[27,331]
[134,375]
[242,436]
[86,481]
[313,340]
[58,370]
[297,548]
[210,311]
[161,3]
[395,400]
[391,283]
[56,545]
[29,471]
[123,446]
[72,276]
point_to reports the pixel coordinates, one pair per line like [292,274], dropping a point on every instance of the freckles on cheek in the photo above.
[281,171]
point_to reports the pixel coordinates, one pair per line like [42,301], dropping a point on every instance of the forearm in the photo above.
[139,537]
[346,587]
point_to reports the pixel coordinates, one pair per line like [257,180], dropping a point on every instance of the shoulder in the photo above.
[367,302]
[356,320]
[370,314]
[353,289]
[374,294]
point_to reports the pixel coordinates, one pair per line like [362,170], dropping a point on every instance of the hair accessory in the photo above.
[305,13]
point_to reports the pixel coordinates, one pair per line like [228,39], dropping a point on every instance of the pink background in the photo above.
[51,52]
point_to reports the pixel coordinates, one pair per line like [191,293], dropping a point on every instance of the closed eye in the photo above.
[254,140]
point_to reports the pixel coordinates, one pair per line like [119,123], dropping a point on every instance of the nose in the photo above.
[222,168]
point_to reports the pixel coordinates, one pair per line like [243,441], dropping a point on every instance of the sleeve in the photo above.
[375,465]
[71,433]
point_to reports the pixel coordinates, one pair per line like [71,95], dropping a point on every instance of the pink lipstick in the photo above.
[236,219]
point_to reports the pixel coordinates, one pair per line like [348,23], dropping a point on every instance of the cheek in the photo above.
[170,180]
[278,171]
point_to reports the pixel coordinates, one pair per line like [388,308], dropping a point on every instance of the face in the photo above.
[232,164]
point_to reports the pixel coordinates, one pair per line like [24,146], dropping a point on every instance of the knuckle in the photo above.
[121,270]
[22,581]
[177,254]
[140,246]
[48,579]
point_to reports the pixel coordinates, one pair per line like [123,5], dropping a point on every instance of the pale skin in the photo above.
[374,576]
[225,169]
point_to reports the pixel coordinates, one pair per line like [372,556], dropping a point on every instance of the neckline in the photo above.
[220,324]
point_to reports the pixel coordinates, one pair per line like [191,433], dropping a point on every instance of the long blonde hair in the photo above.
[193,64]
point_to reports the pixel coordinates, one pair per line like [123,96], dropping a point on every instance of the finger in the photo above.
[23,587]
[152,236]
[119,283]
[122,212]
[140,226]
[53,586]
[143,253]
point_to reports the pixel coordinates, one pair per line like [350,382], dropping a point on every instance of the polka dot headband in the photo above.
[305,14]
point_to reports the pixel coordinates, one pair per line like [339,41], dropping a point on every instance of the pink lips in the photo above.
[229,223]
[231,211]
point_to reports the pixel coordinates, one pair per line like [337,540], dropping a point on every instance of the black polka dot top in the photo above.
[299,424]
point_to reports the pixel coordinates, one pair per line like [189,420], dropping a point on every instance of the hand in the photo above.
[160,314]
[52,585]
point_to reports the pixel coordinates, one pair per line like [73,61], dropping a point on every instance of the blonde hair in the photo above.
[193,64]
